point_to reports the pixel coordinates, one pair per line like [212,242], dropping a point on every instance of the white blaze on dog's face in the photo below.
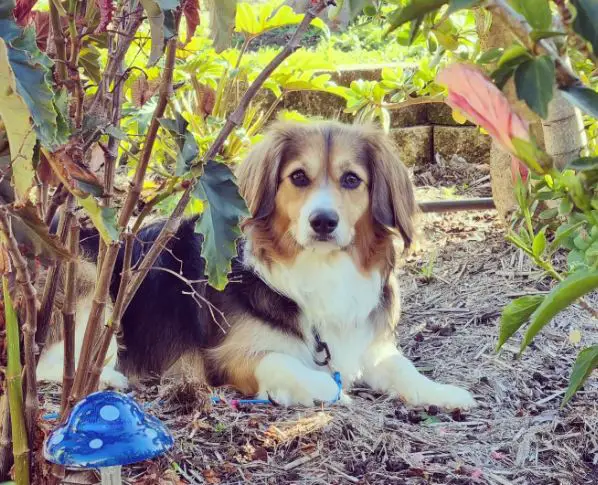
[326,186]
[323,193]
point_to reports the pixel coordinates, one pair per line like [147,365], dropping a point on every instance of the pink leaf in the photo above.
[481,102]
[191,12]
[106,11]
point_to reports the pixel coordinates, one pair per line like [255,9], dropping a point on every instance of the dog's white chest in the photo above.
[336,300]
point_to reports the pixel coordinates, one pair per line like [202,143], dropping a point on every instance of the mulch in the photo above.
[454,288]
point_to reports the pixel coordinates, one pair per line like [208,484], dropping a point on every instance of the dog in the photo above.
[312,291]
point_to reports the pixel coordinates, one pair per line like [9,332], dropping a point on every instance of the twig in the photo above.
[165,92]
[565,76]
[439,98]
[30,326]
[114,326]
[58,36]
[235,119]
[44,316]
[69,315]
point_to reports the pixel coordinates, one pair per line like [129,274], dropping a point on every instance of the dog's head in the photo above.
[325,186]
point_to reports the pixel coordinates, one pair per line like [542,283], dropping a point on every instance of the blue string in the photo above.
[235,402]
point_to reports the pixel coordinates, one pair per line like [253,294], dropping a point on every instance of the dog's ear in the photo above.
[258,175]
[391,192]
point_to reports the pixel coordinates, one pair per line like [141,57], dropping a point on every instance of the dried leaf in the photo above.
[191,12]
[22,11]
[142,90]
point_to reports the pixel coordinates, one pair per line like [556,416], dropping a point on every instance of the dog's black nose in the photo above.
[323,222]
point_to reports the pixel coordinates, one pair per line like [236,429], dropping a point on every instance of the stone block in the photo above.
[414,144]
[465,141]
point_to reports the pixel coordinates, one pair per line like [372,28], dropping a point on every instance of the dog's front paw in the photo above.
[110,378]
[305,390]
[441,395]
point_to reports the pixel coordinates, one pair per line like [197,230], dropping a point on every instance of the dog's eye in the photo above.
[350,181]
[299,178]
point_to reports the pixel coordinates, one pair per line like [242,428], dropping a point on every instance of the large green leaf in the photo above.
[564,294]
[586,362]
[536,12]
[585,23]
[219,223]
[534,80]
[254,20]
[32,71]
[412,11]
[516,314]
[21,134]
[584,98]
[186,144]
[160,14]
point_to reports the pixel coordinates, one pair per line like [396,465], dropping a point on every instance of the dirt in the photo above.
[454,288]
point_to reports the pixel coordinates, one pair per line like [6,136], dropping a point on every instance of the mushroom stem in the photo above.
[111,475]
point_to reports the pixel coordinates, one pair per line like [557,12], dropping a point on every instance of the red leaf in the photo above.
[22,11]
[41,20]
[106,10]
[191,12]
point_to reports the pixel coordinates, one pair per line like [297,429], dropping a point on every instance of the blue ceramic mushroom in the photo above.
[106,430]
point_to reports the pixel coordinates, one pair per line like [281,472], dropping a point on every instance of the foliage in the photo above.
[558,209]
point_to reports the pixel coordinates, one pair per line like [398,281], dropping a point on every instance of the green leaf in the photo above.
[33,75]
[21,135]
[188,149]
[586,362]
[508,62]
[536,12]
[565,207]
[534,80]
[412,11]
[103,218]
[219,222]
[539,243]
[583,164]
[585,22]
[456,5]
[515,315]
[160,14]
[564,294]
[89,60]
[584,98]
[563,233]
[533,157]
[490,56]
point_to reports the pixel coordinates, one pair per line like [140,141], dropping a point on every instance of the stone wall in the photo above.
[420,131]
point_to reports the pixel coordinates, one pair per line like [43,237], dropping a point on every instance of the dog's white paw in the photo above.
[306,390]
[441,395]
[110,378]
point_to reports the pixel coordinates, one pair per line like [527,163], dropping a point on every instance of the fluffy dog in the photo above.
[313,289]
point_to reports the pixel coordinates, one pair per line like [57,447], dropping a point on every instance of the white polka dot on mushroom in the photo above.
[109,413]
[96,443]
[151,433]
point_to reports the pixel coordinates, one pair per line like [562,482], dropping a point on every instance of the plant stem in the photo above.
[69,315]
[58,36]
[15,390]
[44,316]
[117,313]
[6,457]
[165,91]
[30,326]
[152,203]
